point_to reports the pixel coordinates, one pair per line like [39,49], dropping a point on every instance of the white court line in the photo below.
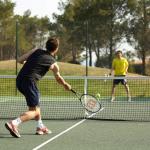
[65,131]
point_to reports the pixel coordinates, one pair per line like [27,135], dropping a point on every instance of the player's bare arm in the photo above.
[126,70]
[58,77]
[111,71]
[24,57]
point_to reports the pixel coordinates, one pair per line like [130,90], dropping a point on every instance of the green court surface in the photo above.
[121,125]
[80,135]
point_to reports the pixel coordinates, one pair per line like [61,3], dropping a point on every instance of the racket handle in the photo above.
[73,91]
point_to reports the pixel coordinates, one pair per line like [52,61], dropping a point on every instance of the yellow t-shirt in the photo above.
[120,66]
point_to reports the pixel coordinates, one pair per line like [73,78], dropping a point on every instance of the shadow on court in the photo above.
[89,135]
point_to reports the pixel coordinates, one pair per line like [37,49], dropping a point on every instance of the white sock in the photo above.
[16,122]
[40,123]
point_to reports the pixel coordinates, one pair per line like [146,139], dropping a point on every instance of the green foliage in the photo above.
[7,36]
[32,31]
[93,25]
[140,30]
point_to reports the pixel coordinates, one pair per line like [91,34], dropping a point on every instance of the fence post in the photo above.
[16,51]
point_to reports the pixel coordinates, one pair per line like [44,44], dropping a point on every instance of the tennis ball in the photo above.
[98,95]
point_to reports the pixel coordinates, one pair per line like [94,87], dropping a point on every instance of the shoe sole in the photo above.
[11,132]
[43,133]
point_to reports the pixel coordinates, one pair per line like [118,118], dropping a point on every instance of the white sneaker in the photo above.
[112,99]
[12,129]
[42,131]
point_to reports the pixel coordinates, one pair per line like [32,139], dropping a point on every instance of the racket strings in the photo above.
[90,103]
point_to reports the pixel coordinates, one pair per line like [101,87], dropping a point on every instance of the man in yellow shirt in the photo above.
[120,68]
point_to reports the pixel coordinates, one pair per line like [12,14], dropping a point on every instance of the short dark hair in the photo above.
[52,44]
[118,51]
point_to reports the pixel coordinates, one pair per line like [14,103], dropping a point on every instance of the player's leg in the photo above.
[33,113]
[113,92]
[128,92]
[33,102]
[115,82]
[12,125]
[124,82]
[29,90]
[30,114]
[41,128]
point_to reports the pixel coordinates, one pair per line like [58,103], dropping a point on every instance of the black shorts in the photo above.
[117,81]
[29,89]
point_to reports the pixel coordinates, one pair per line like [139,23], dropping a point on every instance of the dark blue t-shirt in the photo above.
[37,65]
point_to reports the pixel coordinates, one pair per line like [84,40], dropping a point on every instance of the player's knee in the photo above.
[36,111]
[32,108]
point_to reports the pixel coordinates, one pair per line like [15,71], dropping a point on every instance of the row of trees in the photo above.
[31,31]
[100,25]
[97,26]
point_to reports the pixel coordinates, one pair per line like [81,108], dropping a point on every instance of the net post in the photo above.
[85,84]
[85,91]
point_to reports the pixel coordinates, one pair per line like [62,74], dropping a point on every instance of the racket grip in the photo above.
[73,91]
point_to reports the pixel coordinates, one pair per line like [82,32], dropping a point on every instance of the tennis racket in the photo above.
[89,102]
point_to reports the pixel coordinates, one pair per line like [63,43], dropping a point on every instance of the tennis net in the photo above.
[56,103]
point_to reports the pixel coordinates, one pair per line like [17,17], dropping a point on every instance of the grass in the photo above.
[8,67]
[49,87]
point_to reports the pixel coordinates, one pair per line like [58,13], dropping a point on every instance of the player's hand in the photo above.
[67,86]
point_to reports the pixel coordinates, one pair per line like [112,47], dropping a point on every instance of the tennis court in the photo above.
[89,135]
[121,125]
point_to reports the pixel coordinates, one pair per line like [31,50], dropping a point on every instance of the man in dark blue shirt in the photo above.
[38,63]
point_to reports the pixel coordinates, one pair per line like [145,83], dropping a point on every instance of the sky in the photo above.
[39,8]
